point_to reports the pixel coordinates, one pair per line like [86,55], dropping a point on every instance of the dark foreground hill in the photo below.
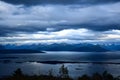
[63,75]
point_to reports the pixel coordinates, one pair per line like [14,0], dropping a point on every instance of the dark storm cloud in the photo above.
[7,31]
[91,26]
[21,18]
[62,2]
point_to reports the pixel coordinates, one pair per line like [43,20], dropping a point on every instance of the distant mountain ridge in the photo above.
[19,51]
[63,47]
[75,47]
[83,47]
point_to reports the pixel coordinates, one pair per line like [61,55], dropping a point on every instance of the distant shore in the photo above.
[7,51]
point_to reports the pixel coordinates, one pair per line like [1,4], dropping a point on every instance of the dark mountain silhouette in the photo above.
[19,51]
[76,47]
[55,47]
[82,47]
[91,48]
[112,47]
[1,47]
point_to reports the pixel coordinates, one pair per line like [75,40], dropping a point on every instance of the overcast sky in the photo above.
[58,21]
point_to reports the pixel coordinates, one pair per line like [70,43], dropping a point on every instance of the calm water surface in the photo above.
[30,63]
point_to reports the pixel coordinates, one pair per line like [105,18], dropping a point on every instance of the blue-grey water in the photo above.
[31,63]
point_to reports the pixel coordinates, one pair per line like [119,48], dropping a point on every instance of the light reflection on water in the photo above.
[29,63]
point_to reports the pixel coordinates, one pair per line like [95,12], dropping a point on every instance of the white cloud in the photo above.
[70,36]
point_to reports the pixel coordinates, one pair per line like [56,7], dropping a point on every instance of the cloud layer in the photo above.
[61,2]
[59,21]
[71,36]
[39,17]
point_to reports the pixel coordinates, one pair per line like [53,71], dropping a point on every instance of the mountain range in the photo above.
[82,47]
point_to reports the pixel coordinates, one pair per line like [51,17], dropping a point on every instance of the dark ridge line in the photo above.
[58,62]
[9,57]
[14,51]
[61,62]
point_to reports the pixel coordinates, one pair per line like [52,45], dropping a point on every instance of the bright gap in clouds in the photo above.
[69,36]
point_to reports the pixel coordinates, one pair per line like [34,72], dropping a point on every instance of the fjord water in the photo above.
[86,63]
